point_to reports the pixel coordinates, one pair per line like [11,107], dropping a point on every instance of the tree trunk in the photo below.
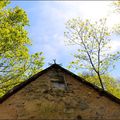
[100,81]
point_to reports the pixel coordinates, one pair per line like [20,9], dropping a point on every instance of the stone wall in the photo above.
[39,101]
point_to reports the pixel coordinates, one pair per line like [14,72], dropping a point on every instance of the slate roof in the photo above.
[34,77]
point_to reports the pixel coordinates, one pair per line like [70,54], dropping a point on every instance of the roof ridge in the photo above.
[34,77]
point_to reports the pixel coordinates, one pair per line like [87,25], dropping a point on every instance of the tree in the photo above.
[116,10]
[117,5]
[93,41]
[16,64]
[111,84]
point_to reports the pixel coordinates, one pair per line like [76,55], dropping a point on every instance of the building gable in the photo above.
[39,97]
[56,66]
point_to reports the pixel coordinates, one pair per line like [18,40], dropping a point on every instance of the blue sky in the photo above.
[47,26]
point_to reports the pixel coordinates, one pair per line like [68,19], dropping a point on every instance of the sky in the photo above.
[47,26]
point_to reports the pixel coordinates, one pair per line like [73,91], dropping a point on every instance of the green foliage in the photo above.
[117,5]
[16,64]
[116,10]
[3,3]
[110,83]
[93,39]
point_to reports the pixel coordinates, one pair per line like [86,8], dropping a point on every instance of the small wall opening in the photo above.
[58,85]
[58,82]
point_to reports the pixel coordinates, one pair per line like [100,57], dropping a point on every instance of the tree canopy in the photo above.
[93,39]
[111,84]
[16,64]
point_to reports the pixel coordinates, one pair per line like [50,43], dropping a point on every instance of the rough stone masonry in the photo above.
[56,94]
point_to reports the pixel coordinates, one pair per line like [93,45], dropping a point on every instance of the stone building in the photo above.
[56,93]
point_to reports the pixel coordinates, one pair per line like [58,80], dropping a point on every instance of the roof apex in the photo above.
[34,77]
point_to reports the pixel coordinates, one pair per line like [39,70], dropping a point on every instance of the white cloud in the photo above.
[115,45]
[113,19]
[49,27]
